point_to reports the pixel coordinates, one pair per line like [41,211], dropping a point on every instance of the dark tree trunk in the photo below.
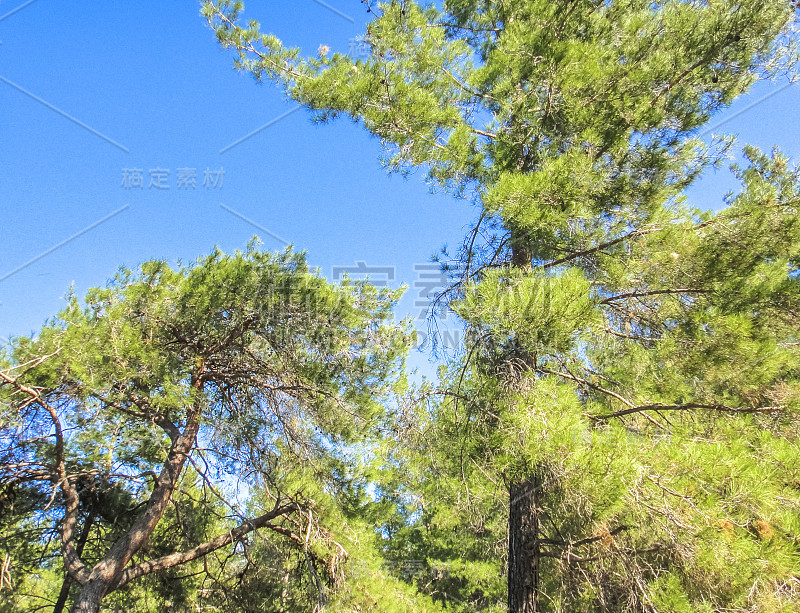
[523,546]
[62,596]
[524,510]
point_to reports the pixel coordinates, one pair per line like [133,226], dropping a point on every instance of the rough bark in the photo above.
[524,556]
[523,546]
[90,597]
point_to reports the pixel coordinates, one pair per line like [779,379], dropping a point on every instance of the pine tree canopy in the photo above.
[177,410]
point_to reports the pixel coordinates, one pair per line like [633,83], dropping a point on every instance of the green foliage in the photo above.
[538,311]
[287,378]
[635,355]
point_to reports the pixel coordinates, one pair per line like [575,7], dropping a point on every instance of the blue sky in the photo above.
[91,93]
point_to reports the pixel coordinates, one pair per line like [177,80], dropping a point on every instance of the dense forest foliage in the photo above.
[619,431]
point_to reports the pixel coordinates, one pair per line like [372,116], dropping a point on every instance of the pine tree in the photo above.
[621,340]
[132,423]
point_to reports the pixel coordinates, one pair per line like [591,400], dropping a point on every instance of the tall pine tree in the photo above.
[630,379]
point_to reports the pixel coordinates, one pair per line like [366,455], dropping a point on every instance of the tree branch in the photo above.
[687,407]
[586,541]
[603,390]
[600,247]
[175,559]
[76,568]
[655,292]
[110,568]
[147,414]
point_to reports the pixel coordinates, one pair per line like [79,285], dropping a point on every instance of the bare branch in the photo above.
[175,559]
[72,561]
[596,248]
[654,292]
[688,407]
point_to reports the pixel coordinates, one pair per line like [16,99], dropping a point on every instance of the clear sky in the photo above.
[98,98]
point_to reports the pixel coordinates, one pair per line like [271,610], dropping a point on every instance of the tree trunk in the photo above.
[523,545]
[106,575]
[90,596]
[64,594]
[524,503]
